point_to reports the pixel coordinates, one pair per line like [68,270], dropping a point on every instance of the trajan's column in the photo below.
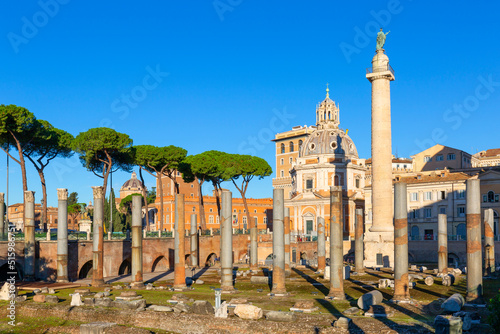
[379,238]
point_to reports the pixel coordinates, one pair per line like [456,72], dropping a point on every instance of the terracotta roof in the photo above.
[434,177]
[492,152]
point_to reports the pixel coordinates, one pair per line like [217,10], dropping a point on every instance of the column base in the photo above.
[137,285]
[378,243]
[279,294]
[336,295]
[98,283]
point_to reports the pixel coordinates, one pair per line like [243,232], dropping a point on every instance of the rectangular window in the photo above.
[217,219]
[485,198]
[461,193]
[442,210]
[211,219]
[235,220]
[428,195]
[442,195]
[414,214]
[427,213]
[428,234]
[357,183]
[439,157]
[309,184]
[496,198]
[291,160]
[265,221]
[414,197]
[244,219]
[427,159]
[451,156]
[281,161]
[461,211]
[255,220]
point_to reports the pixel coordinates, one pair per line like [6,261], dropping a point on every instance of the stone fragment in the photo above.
[19,299]
[160,308]
[383,283]
[448,280]
[236,301]
[342,323]
[304,304]
[180,297]
[51,299]
[371,298]
[52,291]
[457,272]
[99,295]
[250,312]
[182,308]
[444,324]
[128,294]
[221,312]
[466,319]
[259,280]
[378,311]
[104,302]
[435,271]
[89,301]
[76,300]
[39,298]
[202,307]
[117,287]
[429,280]
[106,294]
[130,304]
[280,316]
[352,311]
[199,281]
[413,267]
[5,292]
[44,290]
[107,289]
[454,303]
[83,292]
[422,269]
[96,327]
[37,291]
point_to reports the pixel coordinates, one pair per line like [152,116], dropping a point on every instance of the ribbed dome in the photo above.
[329,141]
[132,184]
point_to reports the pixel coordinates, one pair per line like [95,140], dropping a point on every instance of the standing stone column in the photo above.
[2,216]
[29,235]
[442,242]
[278,242]
[180,247]
[194,240]
[381,238]
[288,271]
[321,244]
[474,263]
[401,282]
[98,240]
[226,256]
[137,241]
[336,244]
[358,242]
[62,235]
[253,247]
[489,241]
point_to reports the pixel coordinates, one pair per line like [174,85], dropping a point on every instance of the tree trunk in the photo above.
[160,187]
[43,219]
[203,223]
[145,195]
[217,197]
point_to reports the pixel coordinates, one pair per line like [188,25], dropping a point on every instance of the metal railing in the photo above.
[388,67]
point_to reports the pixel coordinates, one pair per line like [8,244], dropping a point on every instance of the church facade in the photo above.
[325,156]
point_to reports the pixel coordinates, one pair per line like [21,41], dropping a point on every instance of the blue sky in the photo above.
[224,74]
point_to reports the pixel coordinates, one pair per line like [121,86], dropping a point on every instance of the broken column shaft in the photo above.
[401,282]
[98,241]
[358,242]
[278,242]
[29,235]
[179,244]
[489,242]
[474,263]
[336,244]
[137,240]
[62,235]
[321,244]
[253,247]
[442,242]
[194,240]
[287,241]
[226,256]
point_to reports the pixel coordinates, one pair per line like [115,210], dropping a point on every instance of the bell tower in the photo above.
[327,113]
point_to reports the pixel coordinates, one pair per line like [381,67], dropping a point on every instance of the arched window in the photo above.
[491,196]
[324,117]
[291,146]
[282,148]
[300,144]
[328,115]
[336,180]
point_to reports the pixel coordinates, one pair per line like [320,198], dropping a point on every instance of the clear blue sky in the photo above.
[233,65]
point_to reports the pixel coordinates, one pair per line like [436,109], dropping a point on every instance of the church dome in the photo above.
[132,184]
[329,141]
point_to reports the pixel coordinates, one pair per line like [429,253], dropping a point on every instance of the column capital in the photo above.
[98,192]
[62,194]
[29,196]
